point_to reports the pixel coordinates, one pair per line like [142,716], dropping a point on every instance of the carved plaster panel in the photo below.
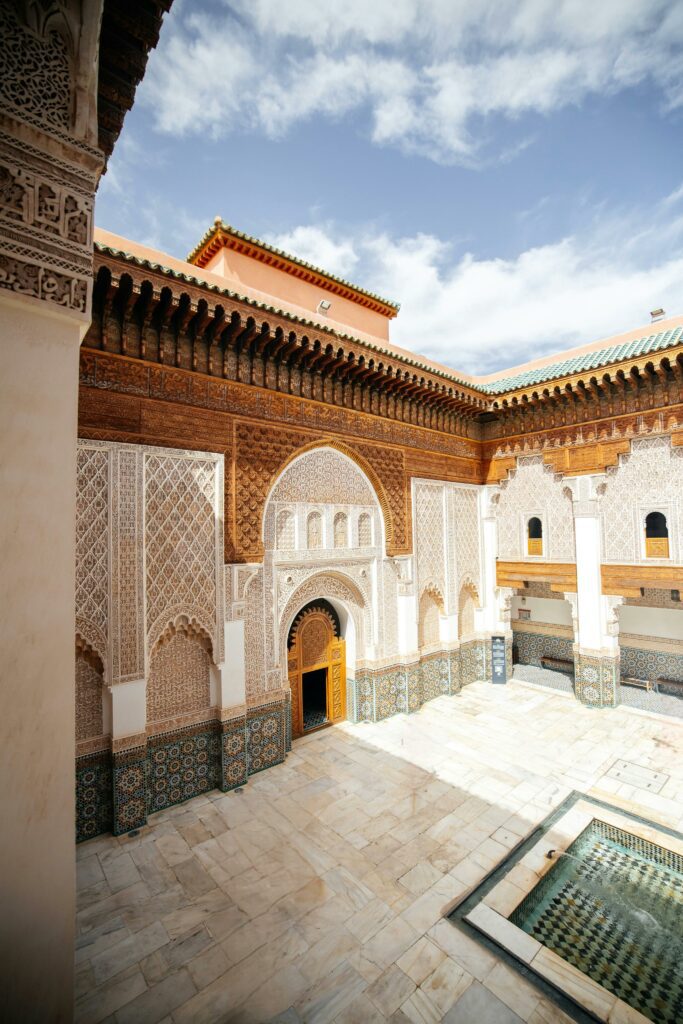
[533,489]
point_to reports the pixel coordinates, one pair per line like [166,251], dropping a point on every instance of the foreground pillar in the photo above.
[49,166]
[596,657]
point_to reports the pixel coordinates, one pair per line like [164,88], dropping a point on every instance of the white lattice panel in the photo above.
[92,545]
[180,541]
[467,555]
[650,475]
[533,488]
[326,477]
[429,536]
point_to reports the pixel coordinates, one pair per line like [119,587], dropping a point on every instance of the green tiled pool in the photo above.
[612,906]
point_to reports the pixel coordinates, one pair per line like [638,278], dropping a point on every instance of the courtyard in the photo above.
[318,892]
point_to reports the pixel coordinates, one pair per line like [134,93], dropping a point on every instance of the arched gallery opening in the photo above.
[542,634]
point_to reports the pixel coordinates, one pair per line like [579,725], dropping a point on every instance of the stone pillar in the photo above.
[596,648]
[49,167]
[129,755]
[494,615]
[232,701]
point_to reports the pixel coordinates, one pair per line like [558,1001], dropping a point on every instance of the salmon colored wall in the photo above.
[243,273]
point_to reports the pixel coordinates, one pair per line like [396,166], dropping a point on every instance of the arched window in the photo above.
[314,531]
[341,530]
[656,536]
[534,535]
[284,531]
[364,530]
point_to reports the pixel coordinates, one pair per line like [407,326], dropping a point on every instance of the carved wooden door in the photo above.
[316,647]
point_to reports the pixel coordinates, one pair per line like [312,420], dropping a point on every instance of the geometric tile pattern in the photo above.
[596,680]
[183,765]
[612,910]
[641,664]
[129,785]
[94,807]
[531,647]
[265,737]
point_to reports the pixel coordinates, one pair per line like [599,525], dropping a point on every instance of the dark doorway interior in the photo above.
[314,687]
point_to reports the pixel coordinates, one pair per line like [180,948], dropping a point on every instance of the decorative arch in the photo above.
[468,600]
[188,625]
[90,638]
[430,610]
[341,530]
[89,691]
[365,468]
[331,586]
[179,617]
[179,679]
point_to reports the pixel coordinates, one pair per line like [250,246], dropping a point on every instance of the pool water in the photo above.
[612,906]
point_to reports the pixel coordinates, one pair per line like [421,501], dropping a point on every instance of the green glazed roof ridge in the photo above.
[191,279]
[653,342]
[252,240]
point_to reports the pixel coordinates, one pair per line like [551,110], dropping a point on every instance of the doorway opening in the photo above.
[314,699]
[317,669]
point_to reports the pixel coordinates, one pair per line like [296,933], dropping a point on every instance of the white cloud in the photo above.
[425,71]
[479,315]
[314,245]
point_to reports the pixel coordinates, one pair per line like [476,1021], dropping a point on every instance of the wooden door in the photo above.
[315,647]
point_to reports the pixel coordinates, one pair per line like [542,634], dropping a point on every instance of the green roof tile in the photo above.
[587,361]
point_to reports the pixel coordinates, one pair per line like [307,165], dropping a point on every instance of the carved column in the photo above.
[596,649]
[496,601]
[49,167]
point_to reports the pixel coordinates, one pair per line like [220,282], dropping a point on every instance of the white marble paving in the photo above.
[318,893]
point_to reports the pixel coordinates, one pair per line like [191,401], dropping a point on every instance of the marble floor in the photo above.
[318,892]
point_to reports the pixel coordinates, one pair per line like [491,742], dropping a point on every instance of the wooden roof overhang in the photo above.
[132,290]
[129,30]
[630,374]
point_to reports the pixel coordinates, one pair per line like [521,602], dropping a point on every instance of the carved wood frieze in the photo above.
[560,575]
[627,580]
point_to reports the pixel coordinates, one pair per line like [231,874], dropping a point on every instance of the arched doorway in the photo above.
[316,665]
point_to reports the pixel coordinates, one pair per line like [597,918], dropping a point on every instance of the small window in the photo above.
[364,531]
[341,530]
[534,534]
[656,536]
[314,531]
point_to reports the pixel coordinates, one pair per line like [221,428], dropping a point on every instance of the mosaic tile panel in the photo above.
[435,677]
[596,681]
[612,910]
[130,790]
[265,738]
[94,804]
[472,661]
[391,697]
[233,754]
[652,664]
[531,647]
[183,765]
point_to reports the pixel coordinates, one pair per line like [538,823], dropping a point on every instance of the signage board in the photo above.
[498,663]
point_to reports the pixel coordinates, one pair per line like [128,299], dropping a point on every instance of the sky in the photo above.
[509,171]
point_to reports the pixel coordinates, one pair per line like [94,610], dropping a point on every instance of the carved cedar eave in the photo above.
[560,575]
[128,32]
[627,580]
[595,382]
[537,439]
[638,385]
[259,344]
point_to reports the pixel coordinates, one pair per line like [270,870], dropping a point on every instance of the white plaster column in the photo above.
[50,166]
[232,671]
[596,646]
[448,628]
[494,615]
[128,711]
[406,608]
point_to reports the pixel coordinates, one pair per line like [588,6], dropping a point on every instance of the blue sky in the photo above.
[508,170]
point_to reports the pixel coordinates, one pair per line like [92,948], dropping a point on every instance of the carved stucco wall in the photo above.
[446,533]
[347,564]
[89,705]
[150,554]
[649,478]
[534,489]
[179,679]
